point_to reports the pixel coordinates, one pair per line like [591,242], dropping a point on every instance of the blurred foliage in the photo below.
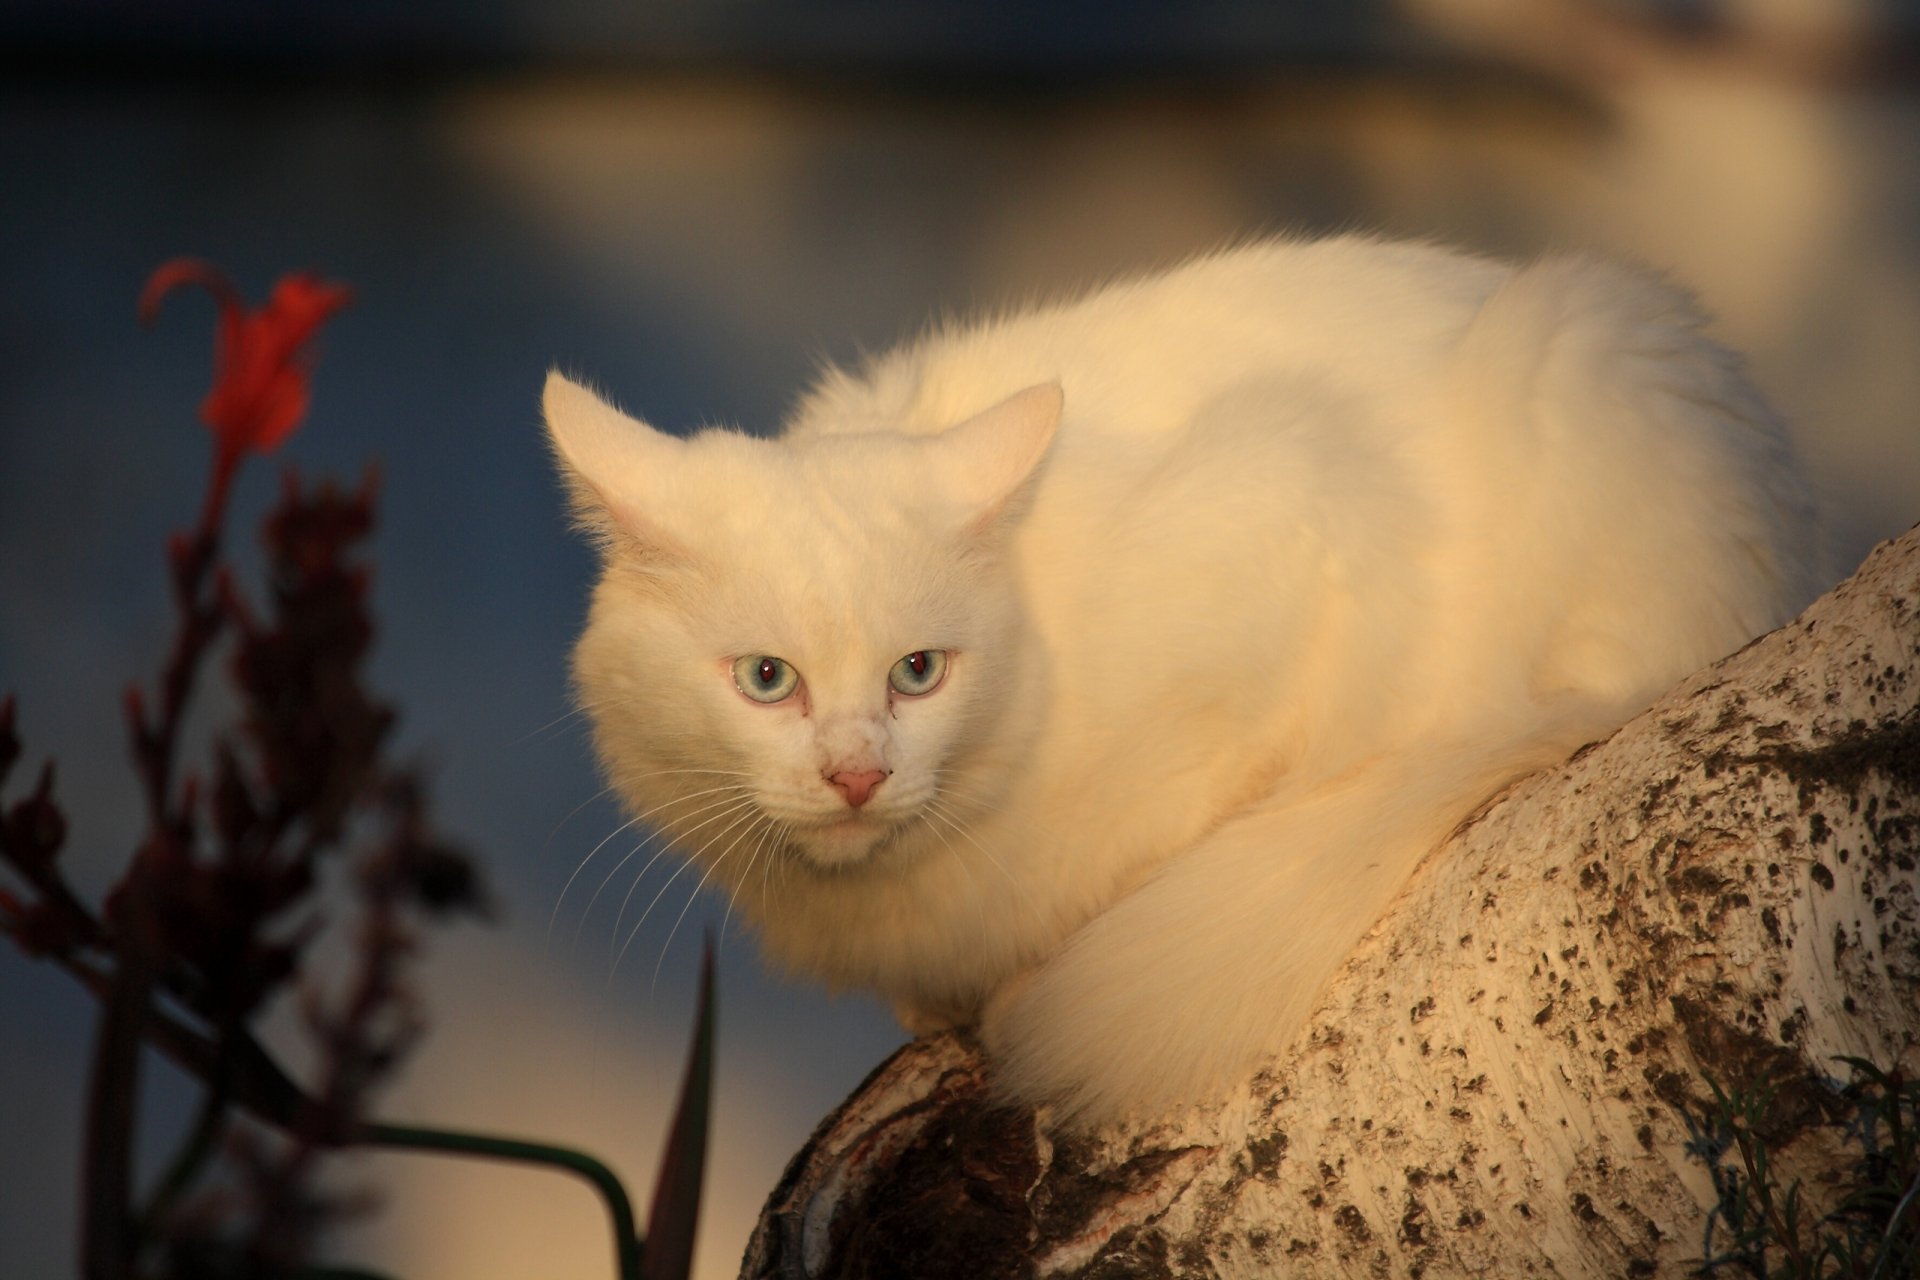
[216,914]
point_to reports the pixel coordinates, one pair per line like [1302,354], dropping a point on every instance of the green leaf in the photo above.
[676,1194]
[458,1143]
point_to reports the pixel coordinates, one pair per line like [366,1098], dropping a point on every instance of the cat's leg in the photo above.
[1182,988]
[919,1018]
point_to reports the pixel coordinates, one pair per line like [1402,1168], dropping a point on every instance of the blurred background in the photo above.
[694,203]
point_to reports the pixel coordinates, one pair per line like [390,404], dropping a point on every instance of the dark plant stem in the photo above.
[109,1234]
[154,746]
[107,1240]
[257,1084]
[619,1207]
[213,509]
[201,1142]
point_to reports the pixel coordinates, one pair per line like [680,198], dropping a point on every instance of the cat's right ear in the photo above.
[610,463]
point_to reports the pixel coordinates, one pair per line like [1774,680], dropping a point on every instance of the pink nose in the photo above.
[857,787]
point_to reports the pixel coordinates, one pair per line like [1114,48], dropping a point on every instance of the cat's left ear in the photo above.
[986,460]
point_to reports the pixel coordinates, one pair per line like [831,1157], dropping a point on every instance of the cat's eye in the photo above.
[764,678]
[919,672]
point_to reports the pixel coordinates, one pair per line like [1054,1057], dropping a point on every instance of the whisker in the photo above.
[669,773]
[773,857]
[639,878]
[953,820]
[727,806]
[692,897]
[766,833]
[934,808]
[677,873]
[979,902]
[548,843]
[557,720]
[591,854]
[638,817]
[945,787]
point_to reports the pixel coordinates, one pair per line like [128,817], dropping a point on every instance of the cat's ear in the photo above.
[985,461]
[610,462]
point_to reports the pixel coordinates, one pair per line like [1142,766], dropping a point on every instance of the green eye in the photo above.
[764,678]
[919,672]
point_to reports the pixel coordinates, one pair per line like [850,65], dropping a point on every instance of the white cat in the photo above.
[1099,673]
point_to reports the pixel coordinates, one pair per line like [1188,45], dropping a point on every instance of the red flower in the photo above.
[260,387]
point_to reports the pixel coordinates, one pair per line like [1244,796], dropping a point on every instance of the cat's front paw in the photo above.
[1124,1024]
[926,1019]
[994,1012]
[1097,1047]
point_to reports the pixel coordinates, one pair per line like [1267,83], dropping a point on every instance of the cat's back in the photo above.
[1140,356]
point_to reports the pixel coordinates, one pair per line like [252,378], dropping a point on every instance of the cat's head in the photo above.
[796,642]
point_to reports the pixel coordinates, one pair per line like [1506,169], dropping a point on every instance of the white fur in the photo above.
[1324,543]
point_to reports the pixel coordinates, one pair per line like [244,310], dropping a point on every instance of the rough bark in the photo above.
[1506,1077]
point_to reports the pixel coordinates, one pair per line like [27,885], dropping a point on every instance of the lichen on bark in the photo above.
[1510,1075]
